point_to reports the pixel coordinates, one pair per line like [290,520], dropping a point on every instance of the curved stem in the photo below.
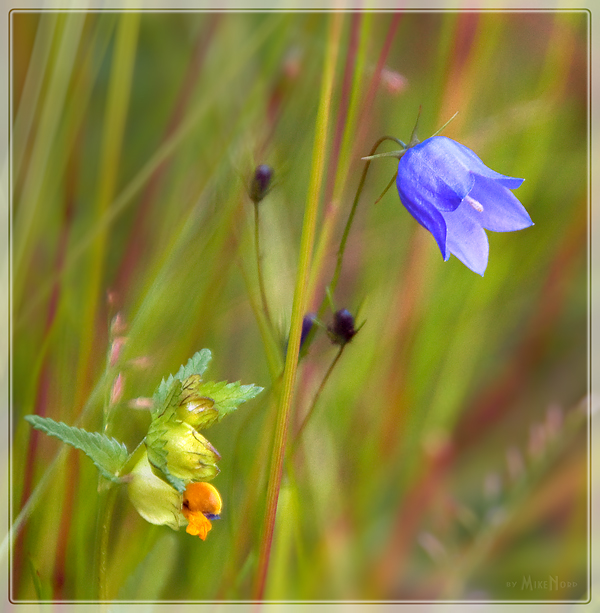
[344,240]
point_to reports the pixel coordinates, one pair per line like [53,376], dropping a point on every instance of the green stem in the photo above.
[299,303]
[344,240]
[107,512]
[338,355]
[261,281]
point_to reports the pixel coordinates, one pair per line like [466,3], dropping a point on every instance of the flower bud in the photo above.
[261,182]
[342,330]
[194,409]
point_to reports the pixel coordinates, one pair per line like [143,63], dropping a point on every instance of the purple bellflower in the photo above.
[455,196]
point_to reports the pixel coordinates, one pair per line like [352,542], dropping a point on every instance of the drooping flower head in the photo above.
[455,196]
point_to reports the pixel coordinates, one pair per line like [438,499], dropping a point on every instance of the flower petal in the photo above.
[427,215]
[198,525]
[430,170]
[502,211]
[467,239]
[469,160]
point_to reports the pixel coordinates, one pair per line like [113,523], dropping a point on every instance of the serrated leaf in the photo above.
[196,365]
[163,407]
[228,396]
[108,454]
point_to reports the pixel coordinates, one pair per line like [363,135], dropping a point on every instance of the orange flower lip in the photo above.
[198,526]
[201,503]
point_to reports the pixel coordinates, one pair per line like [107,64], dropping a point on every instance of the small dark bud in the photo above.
[307,324]
[342,330]
[261,182]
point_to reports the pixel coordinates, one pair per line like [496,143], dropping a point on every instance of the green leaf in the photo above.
[196,365]
[228,396]
[108,455]
[164,407]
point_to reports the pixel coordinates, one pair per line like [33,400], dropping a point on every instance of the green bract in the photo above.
[184,405]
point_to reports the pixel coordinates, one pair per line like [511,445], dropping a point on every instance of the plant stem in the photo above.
[316,399]
[106,513]
[261,281]
[299,304]
[344,240]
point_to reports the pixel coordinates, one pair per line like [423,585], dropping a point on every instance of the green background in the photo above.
[447,455]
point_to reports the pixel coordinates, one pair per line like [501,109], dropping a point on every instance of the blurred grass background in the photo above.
[447,456]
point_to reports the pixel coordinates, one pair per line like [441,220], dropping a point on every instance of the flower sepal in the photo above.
[398,153]
[180,454]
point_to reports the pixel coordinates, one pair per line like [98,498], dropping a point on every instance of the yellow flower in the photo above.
[159,503]
[154,499]
[201,503]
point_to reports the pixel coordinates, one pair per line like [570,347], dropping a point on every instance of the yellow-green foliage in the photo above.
[446,456]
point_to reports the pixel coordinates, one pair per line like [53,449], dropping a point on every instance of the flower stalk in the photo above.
[259,268]
[315,400]
[299,303]
[347,227]
[259,188]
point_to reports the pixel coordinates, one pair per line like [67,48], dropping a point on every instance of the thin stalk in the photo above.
[347,150]
[299,304]
[109,505]
[261,280]
[311,411]
[344,240]
[272,352]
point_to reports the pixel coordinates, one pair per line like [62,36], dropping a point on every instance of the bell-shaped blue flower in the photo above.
[455,196]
